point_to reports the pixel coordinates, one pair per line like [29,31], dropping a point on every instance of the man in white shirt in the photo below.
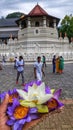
[20,69]
[38,69]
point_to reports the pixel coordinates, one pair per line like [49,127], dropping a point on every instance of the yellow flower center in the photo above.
[35,98]
[15,95]
[20,112]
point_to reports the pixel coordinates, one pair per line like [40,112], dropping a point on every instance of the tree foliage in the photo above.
[67,26]
[14,15]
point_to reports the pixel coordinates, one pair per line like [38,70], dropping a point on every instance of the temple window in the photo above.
[51,24]
[37,24]
[36,30]
[23,24]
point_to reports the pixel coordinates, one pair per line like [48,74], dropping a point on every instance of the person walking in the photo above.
[3,60]
[61,65]
[15,62]
[57,64]
[44,61]
[38,69]
[54,63]
[20,70]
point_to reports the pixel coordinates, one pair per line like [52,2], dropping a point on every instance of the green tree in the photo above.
[67,26]
[14,15]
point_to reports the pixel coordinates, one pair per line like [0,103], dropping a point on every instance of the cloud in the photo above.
[52,7]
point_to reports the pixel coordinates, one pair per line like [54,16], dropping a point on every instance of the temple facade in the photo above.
[38,35]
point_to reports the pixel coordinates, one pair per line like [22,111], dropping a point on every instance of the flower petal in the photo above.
[16,125]
[27,103]
[22,121]
[33,110]
[44,98]
[28,119]
[42,108]
[22,93]
[52,91]
[34,116]
[57,93]
[10,122]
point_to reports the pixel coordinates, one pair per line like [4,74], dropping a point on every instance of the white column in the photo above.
[20,26]
[29,25]
[54,23]
[44,21]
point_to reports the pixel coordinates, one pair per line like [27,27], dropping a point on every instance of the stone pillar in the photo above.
[44,21]
[48,23]
[54,23]
[29,25]
[20,26]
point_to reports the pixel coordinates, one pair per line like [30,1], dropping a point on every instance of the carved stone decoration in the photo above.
[60,34]
[71,39]
[66,38]
[65,34]
[61,38]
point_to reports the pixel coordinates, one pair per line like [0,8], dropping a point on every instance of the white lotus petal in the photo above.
[41,89]
[31,90]
[35,93]
[22,93]
[34,86]
[44,98]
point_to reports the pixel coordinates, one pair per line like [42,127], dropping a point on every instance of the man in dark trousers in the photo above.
[20,70]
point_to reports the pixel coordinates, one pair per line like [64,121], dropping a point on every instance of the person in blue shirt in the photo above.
[20,70]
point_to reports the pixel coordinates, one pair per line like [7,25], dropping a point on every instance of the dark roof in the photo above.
[7,34]
[10,22]
[37,10]
[20,19]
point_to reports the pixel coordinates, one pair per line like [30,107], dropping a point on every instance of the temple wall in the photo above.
[31,33]
[31,49]
[31,44]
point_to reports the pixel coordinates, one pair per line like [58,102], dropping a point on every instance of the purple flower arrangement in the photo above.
[28,104]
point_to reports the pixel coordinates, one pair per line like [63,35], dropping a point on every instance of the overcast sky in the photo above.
[57,8]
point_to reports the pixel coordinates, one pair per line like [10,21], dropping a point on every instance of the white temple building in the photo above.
[37,35]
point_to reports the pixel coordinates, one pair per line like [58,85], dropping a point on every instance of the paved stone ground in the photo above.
[64,81]
[56,121]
